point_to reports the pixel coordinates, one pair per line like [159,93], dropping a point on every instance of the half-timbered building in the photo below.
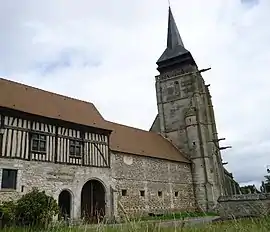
[92,166]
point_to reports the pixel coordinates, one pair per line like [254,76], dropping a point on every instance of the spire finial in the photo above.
[169,3]
[173,37]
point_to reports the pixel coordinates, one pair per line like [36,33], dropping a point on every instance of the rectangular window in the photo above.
[9,179]
[159,193]
[142,193]
[124,192]
[75,148]
[38,143]
[176,194]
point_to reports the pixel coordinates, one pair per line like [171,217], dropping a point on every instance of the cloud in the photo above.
[250,3]
[105,52]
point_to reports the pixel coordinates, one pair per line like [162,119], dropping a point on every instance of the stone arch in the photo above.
[93,200]
[65,204]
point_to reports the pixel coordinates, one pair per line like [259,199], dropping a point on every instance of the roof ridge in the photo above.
[119,124]
[47,91]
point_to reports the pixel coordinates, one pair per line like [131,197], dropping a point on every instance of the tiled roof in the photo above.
[124,139]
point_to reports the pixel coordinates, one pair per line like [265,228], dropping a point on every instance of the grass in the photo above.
[174,216]
[244,225]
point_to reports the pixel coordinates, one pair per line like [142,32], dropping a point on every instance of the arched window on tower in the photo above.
[176,88]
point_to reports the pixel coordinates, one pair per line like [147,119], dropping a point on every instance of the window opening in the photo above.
[75,148]
[124,192]
[38,143]
[9,179]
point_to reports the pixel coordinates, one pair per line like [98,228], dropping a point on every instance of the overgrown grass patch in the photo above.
[246,225]
[175,216]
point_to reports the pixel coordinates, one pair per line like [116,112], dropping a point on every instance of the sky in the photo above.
[105,52]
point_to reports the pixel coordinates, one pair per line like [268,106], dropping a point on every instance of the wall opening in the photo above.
[64,202]
[93,201]
[9,179]
[124,192]
[176,88]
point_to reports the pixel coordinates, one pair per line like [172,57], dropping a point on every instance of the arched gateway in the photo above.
[93,201]
[64,202]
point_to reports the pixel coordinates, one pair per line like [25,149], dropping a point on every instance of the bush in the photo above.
[33,209]
[36,209]
[7,213]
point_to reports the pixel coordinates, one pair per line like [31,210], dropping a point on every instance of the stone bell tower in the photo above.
[186,116]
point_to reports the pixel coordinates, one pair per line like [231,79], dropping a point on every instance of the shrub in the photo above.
[7,213]
[35,209]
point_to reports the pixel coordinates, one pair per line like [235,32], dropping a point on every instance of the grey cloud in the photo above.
[123,39]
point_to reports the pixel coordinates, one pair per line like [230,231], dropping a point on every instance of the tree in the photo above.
[249,189]
[265,187]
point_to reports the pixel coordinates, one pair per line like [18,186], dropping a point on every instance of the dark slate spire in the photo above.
[173,36]
[175,47]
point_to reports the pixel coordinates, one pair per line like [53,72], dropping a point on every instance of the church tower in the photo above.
[186,116]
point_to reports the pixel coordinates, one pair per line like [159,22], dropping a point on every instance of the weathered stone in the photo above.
[128,172]
[152,175]
[246,205]
[53,178]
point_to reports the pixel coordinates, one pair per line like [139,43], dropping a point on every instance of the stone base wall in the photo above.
[147,185]
[53,178]
[151,185]
[247,205]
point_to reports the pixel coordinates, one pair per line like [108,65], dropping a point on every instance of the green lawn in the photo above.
[247,225]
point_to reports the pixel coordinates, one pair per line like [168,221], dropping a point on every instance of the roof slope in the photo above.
[43,103]
[124,139]
[156,125]
[140,142]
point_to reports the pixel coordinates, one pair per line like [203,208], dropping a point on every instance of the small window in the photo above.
[159,193]
[142,193]
[176,194]
[75,148]
[124,192]
[38,143]
[176,88]
[9,179]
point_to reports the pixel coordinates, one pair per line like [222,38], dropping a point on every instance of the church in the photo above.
[94,167]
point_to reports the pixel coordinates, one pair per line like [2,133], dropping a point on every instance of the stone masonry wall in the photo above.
[128,172]
[53,178]
[245,205]
[167,185]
